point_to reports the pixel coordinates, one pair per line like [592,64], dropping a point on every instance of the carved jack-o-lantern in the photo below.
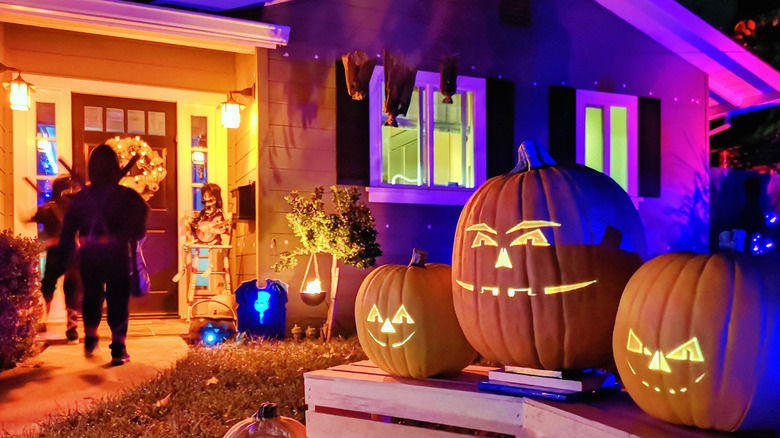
[540,260]
[406,321]
[695,340]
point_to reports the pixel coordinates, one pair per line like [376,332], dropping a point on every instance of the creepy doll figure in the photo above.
[210,223]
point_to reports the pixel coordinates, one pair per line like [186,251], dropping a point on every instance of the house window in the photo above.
[436,155]
[607,136]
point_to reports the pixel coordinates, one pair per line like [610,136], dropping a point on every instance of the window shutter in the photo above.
[649,144]
[501,154]
[352,149]
[562,124]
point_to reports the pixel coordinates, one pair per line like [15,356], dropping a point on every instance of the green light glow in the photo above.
[618,145]
[594,138]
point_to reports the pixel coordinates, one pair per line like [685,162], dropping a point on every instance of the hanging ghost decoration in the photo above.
[358,68]
[448,69]
[399,86]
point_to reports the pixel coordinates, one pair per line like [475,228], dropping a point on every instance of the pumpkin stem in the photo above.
[531,154]
[418,258]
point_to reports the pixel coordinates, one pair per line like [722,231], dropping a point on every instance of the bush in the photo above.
[19,298]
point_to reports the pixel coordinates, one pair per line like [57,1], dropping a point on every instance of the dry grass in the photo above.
[209,390]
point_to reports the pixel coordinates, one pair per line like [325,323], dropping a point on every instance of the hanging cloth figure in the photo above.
[399,86]
[448,69]
[358,68]
[262,312]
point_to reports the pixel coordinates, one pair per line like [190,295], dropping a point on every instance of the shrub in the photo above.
[19,297]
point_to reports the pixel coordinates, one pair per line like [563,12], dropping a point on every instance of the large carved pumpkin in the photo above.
[696,340]
[406,323]
[540,259]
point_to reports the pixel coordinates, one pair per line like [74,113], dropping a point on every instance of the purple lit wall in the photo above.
[577,43]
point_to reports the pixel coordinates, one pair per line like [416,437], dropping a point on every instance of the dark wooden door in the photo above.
[99,118]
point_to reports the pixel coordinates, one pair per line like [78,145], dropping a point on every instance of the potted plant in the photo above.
[347,235]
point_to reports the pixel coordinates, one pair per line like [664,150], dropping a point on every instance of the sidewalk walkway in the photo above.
[61,379]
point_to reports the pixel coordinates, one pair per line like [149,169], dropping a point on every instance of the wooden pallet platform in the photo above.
[358,400]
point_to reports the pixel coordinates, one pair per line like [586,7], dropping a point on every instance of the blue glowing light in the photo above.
[262,304]
[771,219]
[212,335]
[760,244]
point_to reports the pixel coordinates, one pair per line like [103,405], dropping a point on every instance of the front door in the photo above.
[96,119]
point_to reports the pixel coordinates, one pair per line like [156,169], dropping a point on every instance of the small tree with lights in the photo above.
[347,235]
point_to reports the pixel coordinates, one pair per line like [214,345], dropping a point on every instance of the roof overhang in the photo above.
[738,80]
[148,23]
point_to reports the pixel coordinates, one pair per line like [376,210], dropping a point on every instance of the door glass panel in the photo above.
[136,122]
[156,123]
[93,118]
[115,120]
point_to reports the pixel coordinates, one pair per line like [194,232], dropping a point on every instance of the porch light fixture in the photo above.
[231,109]
[21,90]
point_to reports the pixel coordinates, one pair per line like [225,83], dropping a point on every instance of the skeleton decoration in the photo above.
[448,69]
[210,223]
[358,68]
[399,86]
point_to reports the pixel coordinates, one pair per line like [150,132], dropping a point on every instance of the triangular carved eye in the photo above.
[482,239]
[536,237]
[373,315]
[402,314]
[690,350]
[634,344]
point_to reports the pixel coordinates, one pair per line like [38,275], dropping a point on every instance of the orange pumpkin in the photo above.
[540,259]
[696,340]
[406,323]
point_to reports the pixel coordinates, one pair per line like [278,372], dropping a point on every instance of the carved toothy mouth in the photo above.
[394,345]
[511,292]
[672,391]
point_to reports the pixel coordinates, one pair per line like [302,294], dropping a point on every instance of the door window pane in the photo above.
[115,120]
[93,118]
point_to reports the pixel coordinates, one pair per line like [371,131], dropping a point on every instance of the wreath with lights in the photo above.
[149,170]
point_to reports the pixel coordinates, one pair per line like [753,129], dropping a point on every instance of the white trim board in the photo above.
[148,23]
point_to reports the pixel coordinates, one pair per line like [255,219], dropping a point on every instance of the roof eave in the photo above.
[148,23]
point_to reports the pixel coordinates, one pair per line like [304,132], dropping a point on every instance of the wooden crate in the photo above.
[358,399]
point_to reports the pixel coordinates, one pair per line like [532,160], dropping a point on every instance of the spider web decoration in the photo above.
[148,172]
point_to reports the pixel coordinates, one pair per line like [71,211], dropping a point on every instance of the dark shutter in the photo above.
[500,126]
[649,145]
[352,149]
[562,124]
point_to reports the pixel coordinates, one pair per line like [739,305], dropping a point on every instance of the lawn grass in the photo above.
[209,390]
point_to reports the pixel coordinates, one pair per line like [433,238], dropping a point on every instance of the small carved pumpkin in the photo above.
[267,423]
[406,323]
[696,340]
[540,259]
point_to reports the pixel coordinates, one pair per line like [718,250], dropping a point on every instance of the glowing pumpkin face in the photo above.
[695,340]
[540,259]
[406,322]
[388,326]
[654,367]
[529,234]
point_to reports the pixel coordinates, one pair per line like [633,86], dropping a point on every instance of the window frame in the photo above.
[428,83]
[589,98]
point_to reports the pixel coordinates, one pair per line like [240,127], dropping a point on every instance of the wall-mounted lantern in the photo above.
[231,108]
[21,90]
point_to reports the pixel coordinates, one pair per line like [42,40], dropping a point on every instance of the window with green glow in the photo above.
[594,138]
[401,152]
[453,140]
[607,137]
